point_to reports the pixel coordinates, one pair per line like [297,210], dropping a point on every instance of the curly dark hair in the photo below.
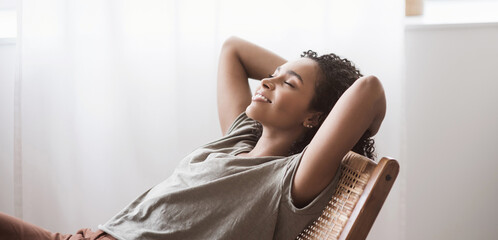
[337,75]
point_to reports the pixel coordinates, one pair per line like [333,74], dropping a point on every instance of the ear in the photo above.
[313,119]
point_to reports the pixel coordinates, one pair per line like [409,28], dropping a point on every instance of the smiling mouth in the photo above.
[258,96]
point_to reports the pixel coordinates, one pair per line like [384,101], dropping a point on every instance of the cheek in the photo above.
[294,100]
[291,105]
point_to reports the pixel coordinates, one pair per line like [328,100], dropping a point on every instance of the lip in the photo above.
[260,97]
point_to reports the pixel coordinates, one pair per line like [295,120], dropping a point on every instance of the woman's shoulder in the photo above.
[241,133]
[241,123]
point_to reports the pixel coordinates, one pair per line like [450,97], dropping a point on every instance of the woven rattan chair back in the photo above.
[360,193]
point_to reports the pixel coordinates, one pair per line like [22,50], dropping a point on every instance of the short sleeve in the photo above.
[241,123]
[291,219]
[240,136]
[317,204]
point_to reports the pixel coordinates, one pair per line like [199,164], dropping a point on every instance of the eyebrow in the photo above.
[293,74]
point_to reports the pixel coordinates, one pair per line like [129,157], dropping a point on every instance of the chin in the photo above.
[253,113]
[250,112]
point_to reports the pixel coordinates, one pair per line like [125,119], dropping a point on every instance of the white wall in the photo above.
[451,132]
[7,69]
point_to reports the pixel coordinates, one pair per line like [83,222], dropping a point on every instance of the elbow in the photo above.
[380,95]
[373,87]
[372,83]
[231,42]
[231,46]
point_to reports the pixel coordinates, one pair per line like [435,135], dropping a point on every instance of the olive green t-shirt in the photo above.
[214,194]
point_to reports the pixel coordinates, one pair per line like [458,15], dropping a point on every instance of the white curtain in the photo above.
[112,94]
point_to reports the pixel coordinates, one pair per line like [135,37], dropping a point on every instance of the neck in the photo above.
[274,143]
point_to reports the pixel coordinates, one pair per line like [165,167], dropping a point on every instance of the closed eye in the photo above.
[288,83]
[292,86]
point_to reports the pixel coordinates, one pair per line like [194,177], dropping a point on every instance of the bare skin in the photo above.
[281,105]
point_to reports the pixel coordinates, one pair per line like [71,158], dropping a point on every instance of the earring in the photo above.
[309,126]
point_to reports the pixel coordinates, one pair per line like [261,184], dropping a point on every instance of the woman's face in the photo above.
[282,100]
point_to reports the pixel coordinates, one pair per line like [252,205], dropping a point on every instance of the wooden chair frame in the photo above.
[362,189]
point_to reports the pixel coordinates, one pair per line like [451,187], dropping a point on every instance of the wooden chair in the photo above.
[362,188]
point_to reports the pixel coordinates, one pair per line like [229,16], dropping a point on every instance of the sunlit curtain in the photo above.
[114,93]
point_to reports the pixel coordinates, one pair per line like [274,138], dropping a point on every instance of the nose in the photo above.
[266,83]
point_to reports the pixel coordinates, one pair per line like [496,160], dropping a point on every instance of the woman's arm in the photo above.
[240,60]
[362,107]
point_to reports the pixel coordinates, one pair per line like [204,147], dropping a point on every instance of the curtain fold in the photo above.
[115,93]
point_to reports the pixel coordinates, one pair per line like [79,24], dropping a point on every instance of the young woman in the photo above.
[274,169]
